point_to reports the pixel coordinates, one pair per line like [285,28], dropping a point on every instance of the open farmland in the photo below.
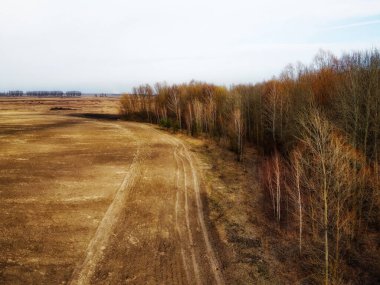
[87,201]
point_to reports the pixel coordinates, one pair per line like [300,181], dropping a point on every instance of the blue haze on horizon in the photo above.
[111,46]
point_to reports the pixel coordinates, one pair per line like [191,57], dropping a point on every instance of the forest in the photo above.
[41,94]
[317,129]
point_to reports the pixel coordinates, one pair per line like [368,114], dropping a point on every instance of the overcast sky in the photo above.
[113,45]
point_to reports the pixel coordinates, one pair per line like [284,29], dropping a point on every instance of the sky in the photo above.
[113,45]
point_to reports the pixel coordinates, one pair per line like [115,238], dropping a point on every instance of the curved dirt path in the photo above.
[185,157]
[154,231]
[83,273]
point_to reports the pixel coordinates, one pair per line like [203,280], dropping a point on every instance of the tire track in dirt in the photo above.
[186,240]
[185,156]
[83,273]
[190,244]
[178,231]
[214,263]
[192,259]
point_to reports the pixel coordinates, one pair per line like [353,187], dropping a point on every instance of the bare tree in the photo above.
[174,104]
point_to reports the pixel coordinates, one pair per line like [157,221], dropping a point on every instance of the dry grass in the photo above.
[51,170]
[107,105]
[59,171]
[253,251]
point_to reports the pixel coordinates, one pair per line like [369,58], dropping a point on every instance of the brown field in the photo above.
[89,201]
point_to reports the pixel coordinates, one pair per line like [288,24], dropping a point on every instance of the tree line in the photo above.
[318,127]
[41,93]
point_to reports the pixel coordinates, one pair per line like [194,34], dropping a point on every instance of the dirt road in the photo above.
[154,230]
[140,192]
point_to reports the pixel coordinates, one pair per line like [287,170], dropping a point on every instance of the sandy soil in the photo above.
[86,201]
